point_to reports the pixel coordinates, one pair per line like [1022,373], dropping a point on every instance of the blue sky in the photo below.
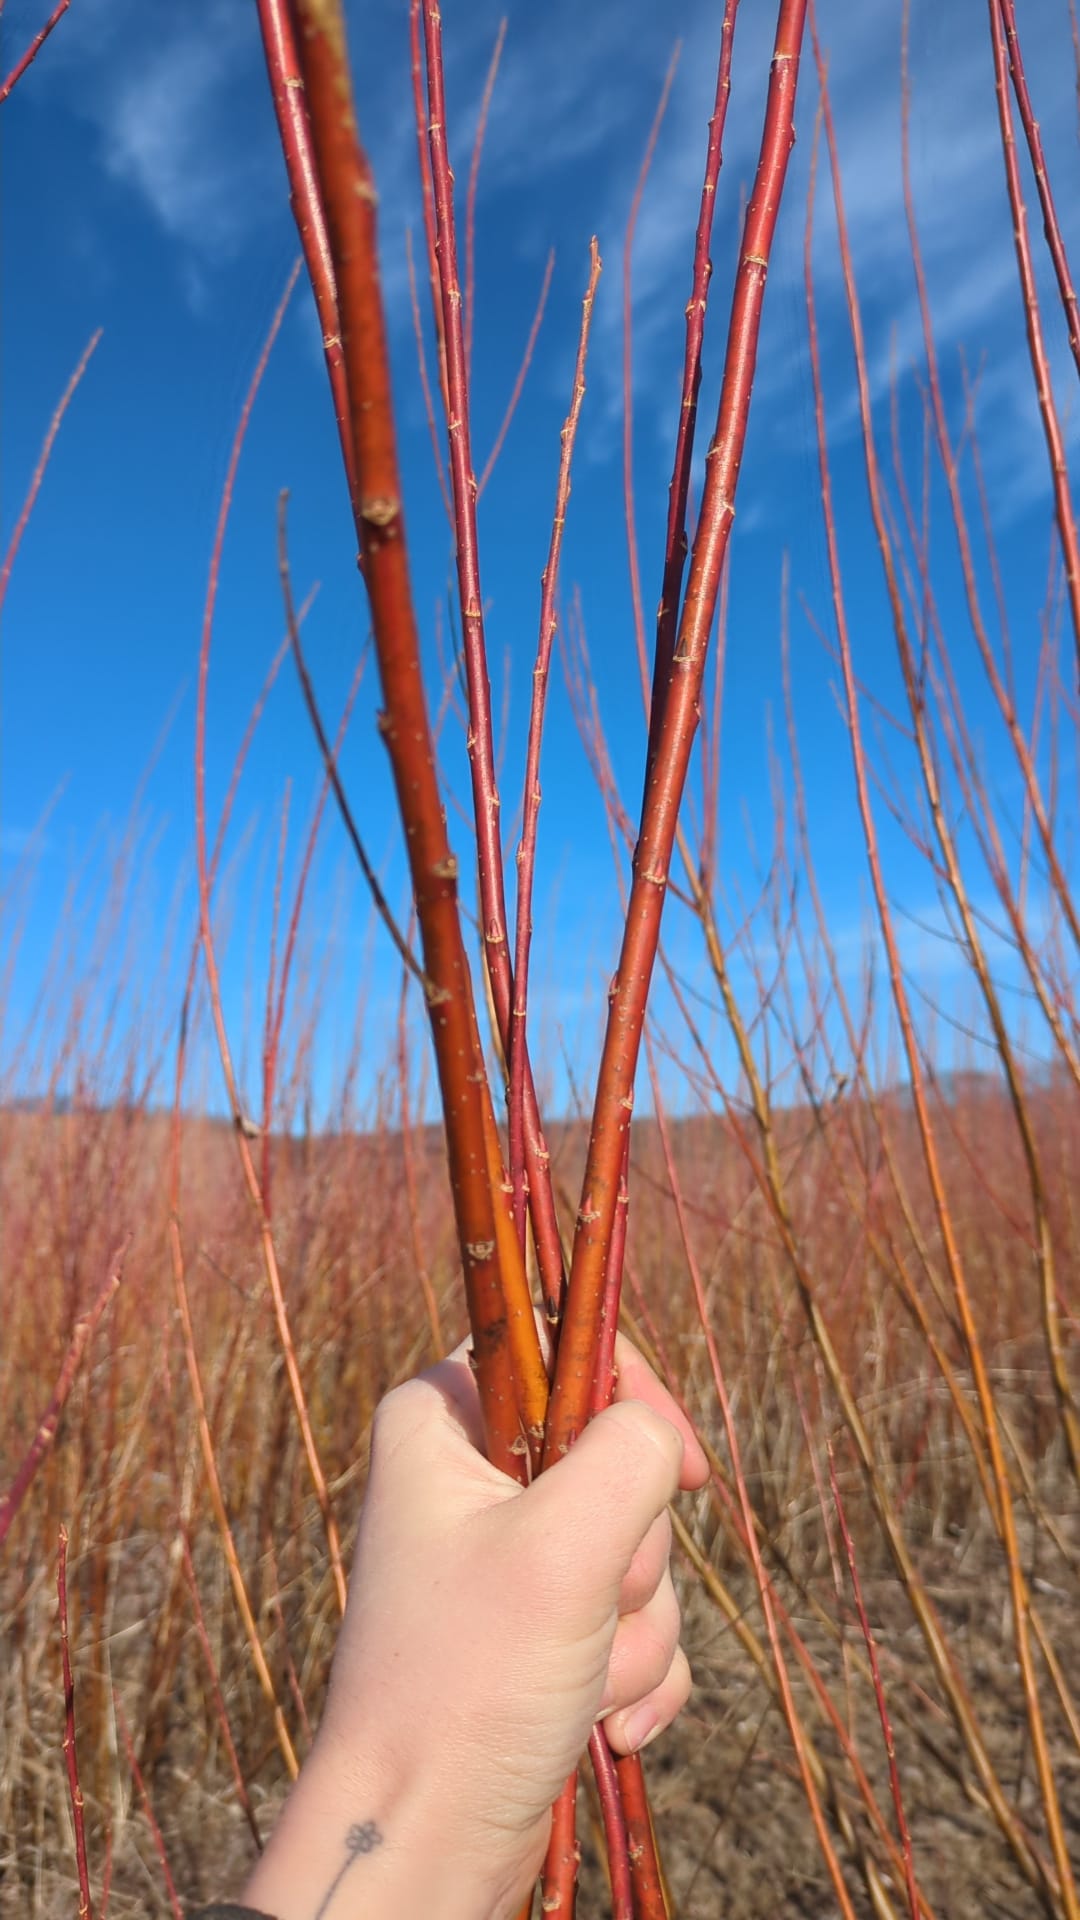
[143,193]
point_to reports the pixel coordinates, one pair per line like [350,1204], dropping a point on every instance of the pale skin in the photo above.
[488,1628]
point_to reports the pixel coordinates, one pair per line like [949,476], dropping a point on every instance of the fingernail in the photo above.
[640,1727]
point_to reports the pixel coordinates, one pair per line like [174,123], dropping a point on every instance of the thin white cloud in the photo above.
[177,98]
[165,135]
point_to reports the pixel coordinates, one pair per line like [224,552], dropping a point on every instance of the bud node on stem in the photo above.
[379,510]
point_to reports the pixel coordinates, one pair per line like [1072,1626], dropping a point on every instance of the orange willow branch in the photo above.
[33,49]
[526,853]
[499,1308]
[480,740]
[1040,365]
[38,474]
[83,1333]
[86,1910]
[622,1042]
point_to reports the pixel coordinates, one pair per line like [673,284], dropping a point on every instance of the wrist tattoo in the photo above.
[362,1837]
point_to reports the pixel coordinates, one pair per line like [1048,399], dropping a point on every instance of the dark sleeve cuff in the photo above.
[228,1910]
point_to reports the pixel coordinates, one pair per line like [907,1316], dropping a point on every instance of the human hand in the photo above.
[489,1626]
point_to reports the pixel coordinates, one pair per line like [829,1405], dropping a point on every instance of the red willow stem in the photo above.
[1040,365]
[33,49]
[623,1774]
[650,1900]
[628,409]
[38,474]
[676,545]
[1051,224]
[526,853]
[86,1910]
[486,805]
[425,384]
[347,194]
[427,195]
[294,132]
[622,1041]
[470,198]
[615,1829]
[82,1334]
[151,1817]
[558,1885]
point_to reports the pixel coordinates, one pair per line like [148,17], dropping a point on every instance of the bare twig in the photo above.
[33,49]
[526,854]
[614,1095]
[86,1910]
[82,1334]
[43,460]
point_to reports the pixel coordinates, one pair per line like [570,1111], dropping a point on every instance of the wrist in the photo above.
[356,1841]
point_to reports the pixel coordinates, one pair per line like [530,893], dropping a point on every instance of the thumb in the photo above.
[600,1500]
